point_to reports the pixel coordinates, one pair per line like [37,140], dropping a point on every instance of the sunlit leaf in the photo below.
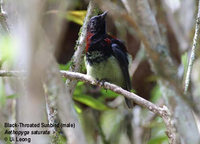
[65,67]
[90,101]
[95,103]
[133,91]
[80,83]
[78,108]
[80,87]
[76,16]
[109,93]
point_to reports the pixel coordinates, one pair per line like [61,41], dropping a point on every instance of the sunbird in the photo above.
[106,57]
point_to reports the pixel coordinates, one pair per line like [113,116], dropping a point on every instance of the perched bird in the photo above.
[106,56]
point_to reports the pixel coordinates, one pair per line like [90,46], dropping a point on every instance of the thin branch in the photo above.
[137,99]
[163,112]
[85,78]
[193,52]
[4,73]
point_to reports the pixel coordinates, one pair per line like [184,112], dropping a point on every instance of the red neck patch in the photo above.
[88,41]
[107,40]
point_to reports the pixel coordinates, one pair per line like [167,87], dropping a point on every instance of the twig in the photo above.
[4,73]
[193,52]
[163,112]
[137,99]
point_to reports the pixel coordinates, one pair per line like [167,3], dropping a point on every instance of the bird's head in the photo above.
[97,24]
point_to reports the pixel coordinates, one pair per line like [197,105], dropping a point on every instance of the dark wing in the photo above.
[121,55]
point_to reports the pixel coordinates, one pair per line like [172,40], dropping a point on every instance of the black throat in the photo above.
[99,50]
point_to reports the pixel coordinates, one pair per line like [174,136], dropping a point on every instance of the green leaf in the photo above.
[80,83]
[80,87]
[158,140]
[76,16]
[91,102]
[65,67]
[133,91]
[77,108]
[109,93]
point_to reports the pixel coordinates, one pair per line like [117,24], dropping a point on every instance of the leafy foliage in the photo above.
[76,16]
[82,97]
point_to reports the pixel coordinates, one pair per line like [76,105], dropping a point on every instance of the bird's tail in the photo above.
[129,103]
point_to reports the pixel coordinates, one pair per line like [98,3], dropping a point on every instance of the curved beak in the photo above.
[103,15]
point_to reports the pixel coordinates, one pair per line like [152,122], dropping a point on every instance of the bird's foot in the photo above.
[101,82]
